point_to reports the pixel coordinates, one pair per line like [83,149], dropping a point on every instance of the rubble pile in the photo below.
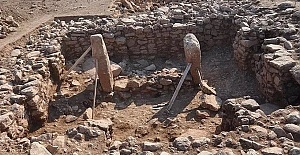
[7,25]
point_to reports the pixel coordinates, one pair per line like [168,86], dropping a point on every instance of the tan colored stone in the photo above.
[211,102]
[99,52]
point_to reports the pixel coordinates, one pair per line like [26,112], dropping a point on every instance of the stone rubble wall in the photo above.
[271,59]
[161,38]
[38,67]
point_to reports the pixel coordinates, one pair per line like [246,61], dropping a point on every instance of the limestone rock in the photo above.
[283,63]
[285,5]
[205,153]
[182,143]
[153,147]
[294,130]
[199,142]
[88,114]
[6,120]
[272,151]
[250,104]
[294,151]
[121,85]
[202,114]
[211,102]
[103,124]
[293,117]
[15,53]
[38,149]
[296,73]
[115,68]
[165,82]
[70,118]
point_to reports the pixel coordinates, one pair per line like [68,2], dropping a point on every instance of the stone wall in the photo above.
[160,34]
[162,38]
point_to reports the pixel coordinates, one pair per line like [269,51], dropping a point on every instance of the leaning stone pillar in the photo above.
[100,55]
[193,56]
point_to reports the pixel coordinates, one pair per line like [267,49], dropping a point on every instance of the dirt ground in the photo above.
[130,116]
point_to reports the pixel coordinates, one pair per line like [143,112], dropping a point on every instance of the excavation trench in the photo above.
[150,54]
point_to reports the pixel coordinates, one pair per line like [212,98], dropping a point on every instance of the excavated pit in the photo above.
[241,62]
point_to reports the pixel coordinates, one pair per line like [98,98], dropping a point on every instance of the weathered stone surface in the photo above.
[292,128]
[6,120]
[182,143]
[15,53]
[88,114]
[103,124]
[38,149]
[99,51]
[294,151]
[296,73]
[115,68]
[283,63]
[121,85]
[199,142]
[211,102]
[153,147]
[250,104]
[205,153]
[272,151]
[293,117]
[70,118]
[193,55]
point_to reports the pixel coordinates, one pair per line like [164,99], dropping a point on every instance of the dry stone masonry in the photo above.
[264,40]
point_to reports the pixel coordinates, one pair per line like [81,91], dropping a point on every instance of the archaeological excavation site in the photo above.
[150,77]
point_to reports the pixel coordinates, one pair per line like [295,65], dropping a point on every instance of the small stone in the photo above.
[70,118]
[250,104]
[202,114]
[33,54]
[294,151]
[88,114]
[153,147]
[182,143]
[272,151]
[288,45]
[38,149]
[279,131]
[115,68]
[294,130]
[115,145]
[164,153]
[285,5]
[75,83]
[134,83]
[205,153]
[16,53]
[59,141]
[165,82]
[6,120]
[199,142]
[293,117]
[29,91]
[121,85]
[52,149]
[211,102]
[252,152]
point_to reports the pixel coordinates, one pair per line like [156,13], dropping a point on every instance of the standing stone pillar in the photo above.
[193,55]
[100,55]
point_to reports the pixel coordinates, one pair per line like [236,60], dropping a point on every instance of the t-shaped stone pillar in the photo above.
[193,55]
[103,69]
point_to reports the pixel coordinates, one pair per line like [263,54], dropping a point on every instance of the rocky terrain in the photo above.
[255,72]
